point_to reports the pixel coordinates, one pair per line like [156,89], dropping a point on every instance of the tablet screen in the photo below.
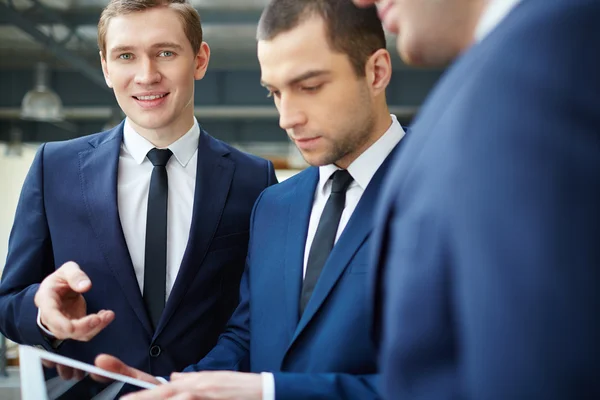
[39,383]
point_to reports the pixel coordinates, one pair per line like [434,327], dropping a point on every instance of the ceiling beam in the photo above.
[203,112]
[58,49]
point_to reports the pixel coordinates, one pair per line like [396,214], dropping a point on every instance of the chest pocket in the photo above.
[359,268]
[230,241]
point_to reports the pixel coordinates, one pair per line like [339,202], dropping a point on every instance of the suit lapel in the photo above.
[300,206]
[98,176]
[214,175]
[354,235]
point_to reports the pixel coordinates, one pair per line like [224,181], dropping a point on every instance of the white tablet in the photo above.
[35,385]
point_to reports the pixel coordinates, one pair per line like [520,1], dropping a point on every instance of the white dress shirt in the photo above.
[493,15]
[362,171]
[133,185]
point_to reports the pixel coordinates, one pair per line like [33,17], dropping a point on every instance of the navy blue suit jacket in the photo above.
[68,211]
[489,226]
[328,352]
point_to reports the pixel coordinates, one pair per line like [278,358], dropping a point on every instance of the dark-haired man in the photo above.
[303,319]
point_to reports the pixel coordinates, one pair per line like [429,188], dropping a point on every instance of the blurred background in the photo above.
[51,87]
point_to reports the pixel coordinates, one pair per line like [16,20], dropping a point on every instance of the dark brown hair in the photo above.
[356,32]
[188,14]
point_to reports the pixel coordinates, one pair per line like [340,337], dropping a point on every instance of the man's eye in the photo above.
[166,53]
[126,56]
[311,88]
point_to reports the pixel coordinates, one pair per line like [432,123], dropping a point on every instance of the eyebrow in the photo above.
[121,49]
[300,78]
[170,45]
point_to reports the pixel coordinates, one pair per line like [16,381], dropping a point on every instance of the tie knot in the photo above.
[341,180]
[159,157]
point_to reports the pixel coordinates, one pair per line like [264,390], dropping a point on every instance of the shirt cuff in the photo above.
[268,386]
[49,336]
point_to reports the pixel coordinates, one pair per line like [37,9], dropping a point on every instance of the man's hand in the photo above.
[210,385]
[62,306]
[113,364]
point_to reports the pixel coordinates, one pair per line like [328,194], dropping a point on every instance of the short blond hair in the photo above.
[188,14]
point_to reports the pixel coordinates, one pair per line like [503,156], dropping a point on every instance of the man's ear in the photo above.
[202,59]
[105,70]
[379,71]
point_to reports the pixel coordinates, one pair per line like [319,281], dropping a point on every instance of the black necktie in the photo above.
[325,235]
[155,261]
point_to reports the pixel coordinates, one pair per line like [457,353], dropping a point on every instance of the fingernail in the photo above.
[83,284]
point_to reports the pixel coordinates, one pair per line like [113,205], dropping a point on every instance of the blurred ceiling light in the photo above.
[58,4]
[41,103]
[14,147]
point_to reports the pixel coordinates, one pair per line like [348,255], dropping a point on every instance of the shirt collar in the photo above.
[183,149]
[493,15]
[366,165]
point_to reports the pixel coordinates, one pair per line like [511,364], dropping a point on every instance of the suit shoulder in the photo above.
[235,154]
[527,93]
[77,144]
[242,156]
[545,32]
[287,185]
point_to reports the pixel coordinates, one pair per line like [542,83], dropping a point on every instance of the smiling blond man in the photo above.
[134,240]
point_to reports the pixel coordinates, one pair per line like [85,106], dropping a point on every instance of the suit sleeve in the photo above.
[307,386]
[29,261]
[232,351]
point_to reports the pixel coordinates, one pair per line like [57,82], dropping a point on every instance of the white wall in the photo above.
[13,170]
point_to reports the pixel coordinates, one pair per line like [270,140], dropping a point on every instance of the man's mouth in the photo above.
[150,97]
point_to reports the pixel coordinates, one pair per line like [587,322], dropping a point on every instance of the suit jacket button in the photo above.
[155,351]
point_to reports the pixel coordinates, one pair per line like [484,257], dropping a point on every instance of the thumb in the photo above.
[77,280]
[113,364]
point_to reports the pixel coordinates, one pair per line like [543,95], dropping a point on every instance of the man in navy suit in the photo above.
[488,261]
[303,320]
[155,292]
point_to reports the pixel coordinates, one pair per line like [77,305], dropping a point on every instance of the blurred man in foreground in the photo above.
[487,257]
